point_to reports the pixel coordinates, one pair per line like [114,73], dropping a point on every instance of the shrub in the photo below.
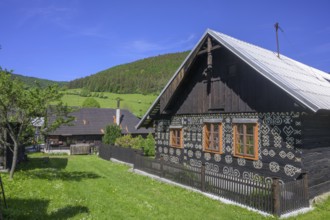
[148,144]
[112,132]
[91,103]
[124,141]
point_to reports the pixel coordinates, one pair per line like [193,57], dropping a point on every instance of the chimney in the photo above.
[118,112]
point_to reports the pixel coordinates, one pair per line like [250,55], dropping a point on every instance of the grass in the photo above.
[86,187]
[138,104]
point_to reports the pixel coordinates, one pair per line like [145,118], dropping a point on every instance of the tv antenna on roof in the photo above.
[277,26]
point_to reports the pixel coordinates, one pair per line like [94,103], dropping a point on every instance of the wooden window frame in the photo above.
[173,137]
[255,140]
[206,140]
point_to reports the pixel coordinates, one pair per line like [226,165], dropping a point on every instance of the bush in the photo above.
[91,103]
[112,132]
[148,144]
[124,141]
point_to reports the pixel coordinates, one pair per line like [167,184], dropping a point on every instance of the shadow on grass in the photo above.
[43,162]
[54,174]
[52,168]
[37,209]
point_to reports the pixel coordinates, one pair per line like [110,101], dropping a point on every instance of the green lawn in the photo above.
[138,104]
[86,187]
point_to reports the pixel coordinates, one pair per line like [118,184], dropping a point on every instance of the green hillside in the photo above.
[146,76]
[31,81]
[135,103]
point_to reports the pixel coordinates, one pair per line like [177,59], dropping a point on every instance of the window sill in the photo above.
[213,151]
[176,146]
[246,157]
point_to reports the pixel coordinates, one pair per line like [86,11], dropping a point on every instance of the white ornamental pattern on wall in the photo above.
[279,130]
[230,171]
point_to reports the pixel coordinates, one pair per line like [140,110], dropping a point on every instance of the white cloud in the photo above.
[142,46]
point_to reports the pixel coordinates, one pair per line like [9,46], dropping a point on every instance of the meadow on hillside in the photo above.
[138,104]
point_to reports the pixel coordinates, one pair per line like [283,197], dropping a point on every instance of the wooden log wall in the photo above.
[316,152]
[233,87]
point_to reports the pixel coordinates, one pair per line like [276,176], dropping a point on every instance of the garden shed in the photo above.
[246,112]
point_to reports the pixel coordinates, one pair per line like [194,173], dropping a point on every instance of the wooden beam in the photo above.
[209,53]
[205,51]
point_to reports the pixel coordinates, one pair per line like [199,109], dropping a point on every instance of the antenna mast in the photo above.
[277,26]
[277,44]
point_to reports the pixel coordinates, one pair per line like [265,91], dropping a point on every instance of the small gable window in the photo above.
[176,137]
[212,137]
[246,140]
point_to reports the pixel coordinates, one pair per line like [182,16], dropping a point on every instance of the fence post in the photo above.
[110,149]
[161,166]
[276,196]
[135,159]
[305,182]
[203,177]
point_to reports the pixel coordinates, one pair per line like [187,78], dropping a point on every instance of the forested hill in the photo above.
[31,81]
[146,76]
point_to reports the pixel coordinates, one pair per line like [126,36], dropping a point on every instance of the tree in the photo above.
[20,106]
[112,132]
[91,103]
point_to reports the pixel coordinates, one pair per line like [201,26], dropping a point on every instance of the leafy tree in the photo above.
[20,106]
[91,103]
[112,132]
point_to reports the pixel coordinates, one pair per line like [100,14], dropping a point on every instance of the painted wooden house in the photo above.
[244,111]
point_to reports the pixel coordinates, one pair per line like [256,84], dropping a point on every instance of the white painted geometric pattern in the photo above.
[228,159]
[207,156]
[291,170]
[257,164]
[198,154]
[217,157]
[274,167]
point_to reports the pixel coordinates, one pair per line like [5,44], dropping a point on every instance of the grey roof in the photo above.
[307,85]
[92,121]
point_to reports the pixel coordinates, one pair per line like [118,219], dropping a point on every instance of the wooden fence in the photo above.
[273,198]
[120,153]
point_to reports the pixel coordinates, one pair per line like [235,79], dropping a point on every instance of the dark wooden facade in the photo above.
[233,86]
[316,151]
[292,139]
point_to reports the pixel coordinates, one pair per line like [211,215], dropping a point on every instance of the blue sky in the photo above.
[67,39]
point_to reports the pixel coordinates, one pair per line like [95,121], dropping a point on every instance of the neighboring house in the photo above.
[245,112]
[90,123]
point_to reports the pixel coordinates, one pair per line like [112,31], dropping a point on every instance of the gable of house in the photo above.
[223,74]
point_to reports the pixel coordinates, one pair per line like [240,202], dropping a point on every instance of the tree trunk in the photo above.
[14,162]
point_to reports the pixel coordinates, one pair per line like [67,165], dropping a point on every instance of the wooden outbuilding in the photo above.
[89,126]
[244,111]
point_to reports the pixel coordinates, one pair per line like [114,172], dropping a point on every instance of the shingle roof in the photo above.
[92,121]
[307,85]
